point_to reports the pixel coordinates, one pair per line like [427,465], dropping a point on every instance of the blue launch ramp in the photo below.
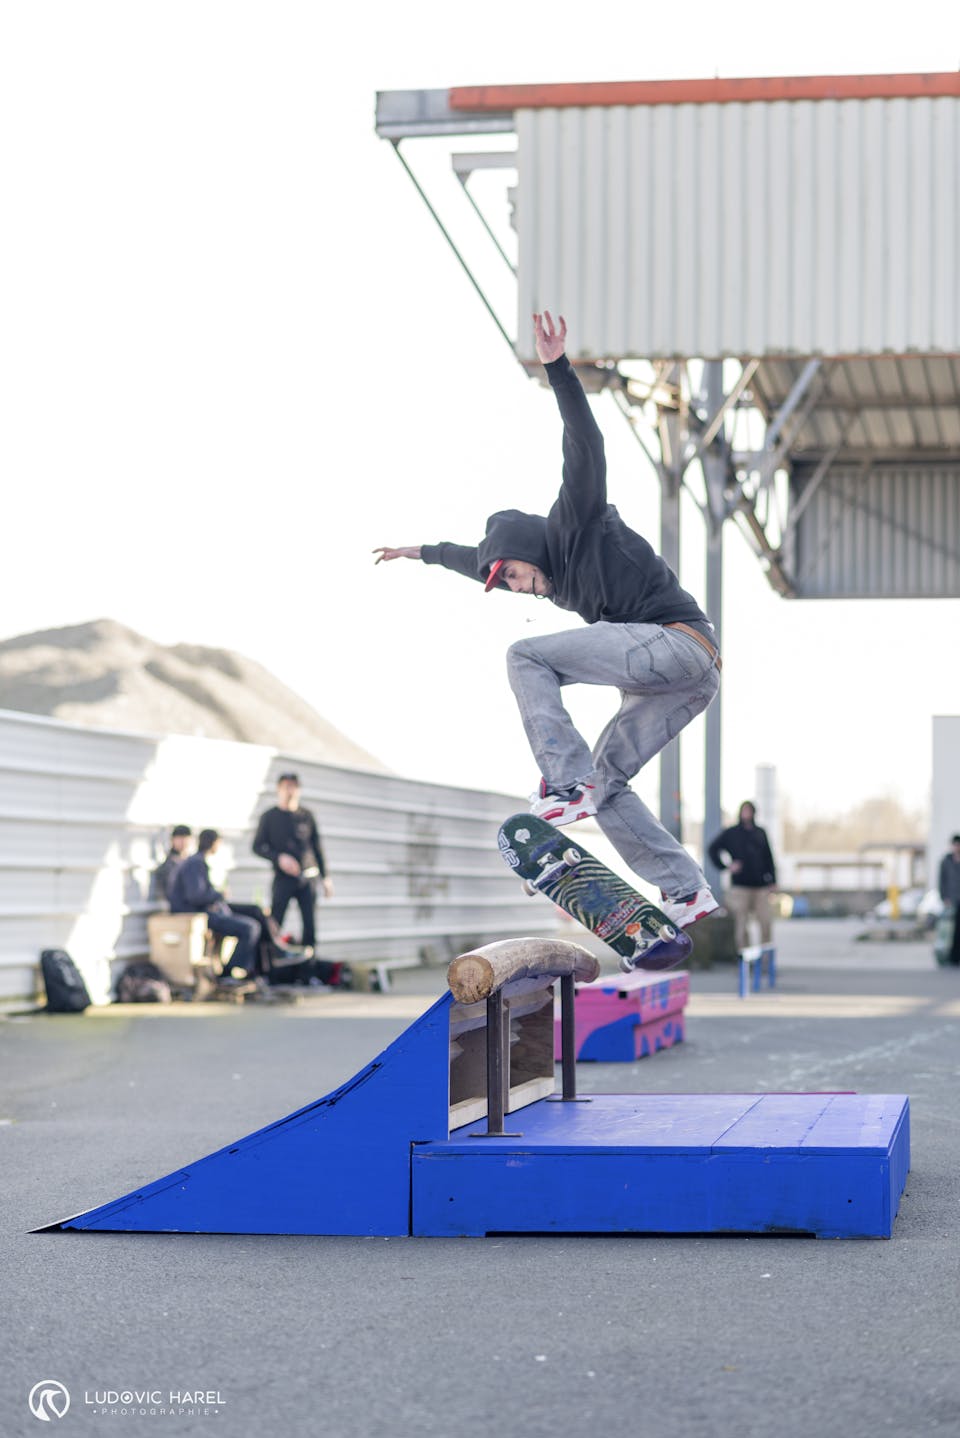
[455,1129]
[338,1166]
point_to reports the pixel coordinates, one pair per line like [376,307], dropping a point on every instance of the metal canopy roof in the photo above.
[885,405]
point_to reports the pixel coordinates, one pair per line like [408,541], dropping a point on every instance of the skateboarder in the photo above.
[645,636]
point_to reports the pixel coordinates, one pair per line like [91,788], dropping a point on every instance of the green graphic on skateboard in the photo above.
[550,863]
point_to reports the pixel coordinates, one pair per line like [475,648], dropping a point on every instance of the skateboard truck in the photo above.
[645,942]
[646,948]
[569,859]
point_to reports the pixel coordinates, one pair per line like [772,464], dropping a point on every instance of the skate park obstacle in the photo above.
[626,1017]
[394,1150]
[751,967]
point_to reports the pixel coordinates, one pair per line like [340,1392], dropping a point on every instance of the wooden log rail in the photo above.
[484,973]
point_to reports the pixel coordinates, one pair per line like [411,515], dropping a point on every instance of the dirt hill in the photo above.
[106,675]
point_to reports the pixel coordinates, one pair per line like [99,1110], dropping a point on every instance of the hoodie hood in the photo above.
[511,534]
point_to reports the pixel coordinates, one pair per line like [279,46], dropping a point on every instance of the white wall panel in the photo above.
[84,814]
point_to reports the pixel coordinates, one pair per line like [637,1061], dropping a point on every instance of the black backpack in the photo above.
[66,991]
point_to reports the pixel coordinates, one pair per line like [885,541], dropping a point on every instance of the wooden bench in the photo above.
[187,952]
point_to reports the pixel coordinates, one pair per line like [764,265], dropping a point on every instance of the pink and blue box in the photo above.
[628,1017]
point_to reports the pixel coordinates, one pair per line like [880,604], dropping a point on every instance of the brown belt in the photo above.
[695,634]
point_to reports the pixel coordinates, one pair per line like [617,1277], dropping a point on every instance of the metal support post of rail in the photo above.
[568,1043]
[498,1069]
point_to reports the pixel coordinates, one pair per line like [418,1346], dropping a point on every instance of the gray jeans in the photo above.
[665,679]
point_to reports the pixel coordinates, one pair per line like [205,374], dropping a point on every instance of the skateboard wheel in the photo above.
[668,932]
[528,888]
[572,856]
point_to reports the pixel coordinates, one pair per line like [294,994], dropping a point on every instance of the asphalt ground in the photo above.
[410,1338]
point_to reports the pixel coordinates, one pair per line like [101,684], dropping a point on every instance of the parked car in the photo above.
[931,905]
[916,903]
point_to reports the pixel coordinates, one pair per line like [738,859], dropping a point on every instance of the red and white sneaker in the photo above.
[686,911]
[564,808]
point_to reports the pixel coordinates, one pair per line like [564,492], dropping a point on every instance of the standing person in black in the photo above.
[644,636]
[950,893]
[288,838]
[752,873]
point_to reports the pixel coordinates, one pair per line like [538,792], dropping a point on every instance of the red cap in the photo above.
[493,578]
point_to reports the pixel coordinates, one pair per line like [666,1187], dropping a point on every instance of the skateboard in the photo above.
[548,862]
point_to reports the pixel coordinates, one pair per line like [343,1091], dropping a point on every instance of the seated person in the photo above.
[163,875]
[192,893]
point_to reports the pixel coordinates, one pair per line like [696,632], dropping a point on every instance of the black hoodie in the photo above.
[600,568]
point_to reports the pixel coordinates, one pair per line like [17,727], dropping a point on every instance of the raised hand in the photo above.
[550,340]
[410,551]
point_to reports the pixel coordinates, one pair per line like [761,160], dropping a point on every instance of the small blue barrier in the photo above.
[751,968]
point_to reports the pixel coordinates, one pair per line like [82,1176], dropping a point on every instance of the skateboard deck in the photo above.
[550,862]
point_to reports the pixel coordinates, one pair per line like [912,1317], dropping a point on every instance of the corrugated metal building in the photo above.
[84,814]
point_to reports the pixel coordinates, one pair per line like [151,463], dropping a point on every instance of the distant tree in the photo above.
[874,821]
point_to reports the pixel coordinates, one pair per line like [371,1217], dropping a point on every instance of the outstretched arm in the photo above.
[584,492]
[461,558]
[409,551]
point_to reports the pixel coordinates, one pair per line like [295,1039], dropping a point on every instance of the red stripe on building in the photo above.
[705,92]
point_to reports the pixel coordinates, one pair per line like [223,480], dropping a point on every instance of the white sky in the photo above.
[235,355]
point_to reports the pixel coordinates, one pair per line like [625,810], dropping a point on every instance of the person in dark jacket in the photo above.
[645,636]
[288,838]
[164,873]
[192,893]
[950,892]
[752,873]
